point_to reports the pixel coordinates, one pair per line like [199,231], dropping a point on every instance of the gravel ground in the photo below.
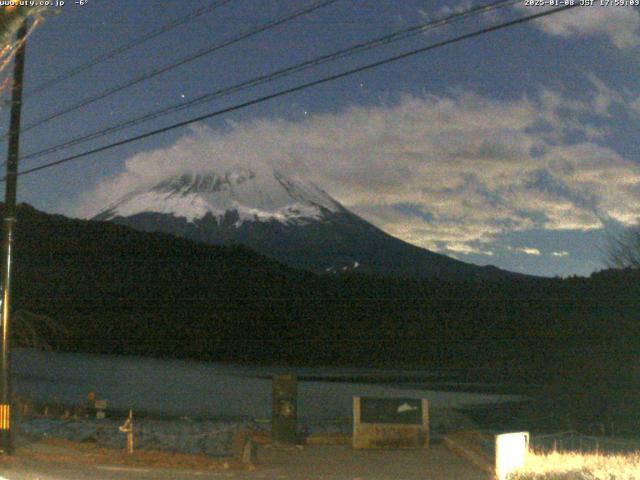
[310,463]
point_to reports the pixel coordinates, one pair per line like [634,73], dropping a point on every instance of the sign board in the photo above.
[390,422]
[511,451]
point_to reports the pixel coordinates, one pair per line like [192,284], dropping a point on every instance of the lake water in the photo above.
[211,390]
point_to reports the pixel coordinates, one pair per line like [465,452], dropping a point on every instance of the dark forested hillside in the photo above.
[117,290]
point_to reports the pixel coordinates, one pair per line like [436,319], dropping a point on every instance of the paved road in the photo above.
[312,463]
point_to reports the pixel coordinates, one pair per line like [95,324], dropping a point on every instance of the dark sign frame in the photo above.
[400,411]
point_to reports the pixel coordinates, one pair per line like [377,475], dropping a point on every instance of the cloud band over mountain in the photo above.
[443,172]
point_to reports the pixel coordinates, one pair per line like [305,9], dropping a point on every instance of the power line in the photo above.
[299,88]
[355,49]
[117,51]
[201,53]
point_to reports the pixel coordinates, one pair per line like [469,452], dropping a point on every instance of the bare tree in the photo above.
[32,330]
[624,249]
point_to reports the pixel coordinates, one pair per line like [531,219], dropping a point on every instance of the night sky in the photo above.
[517,148]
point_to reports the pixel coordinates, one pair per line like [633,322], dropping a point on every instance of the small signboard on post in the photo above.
[390,422]
[101,407]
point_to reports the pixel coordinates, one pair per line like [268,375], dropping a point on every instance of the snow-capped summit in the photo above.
[290,220]
[238,192]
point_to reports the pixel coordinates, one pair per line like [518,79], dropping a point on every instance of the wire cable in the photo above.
[158,71]
[117,51]
[298,88]
[343,53]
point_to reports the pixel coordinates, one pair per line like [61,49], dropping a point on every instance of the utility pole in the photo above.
[9,222]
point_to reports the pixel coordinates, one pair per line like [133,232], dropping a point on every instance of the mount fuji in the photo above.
[287,219]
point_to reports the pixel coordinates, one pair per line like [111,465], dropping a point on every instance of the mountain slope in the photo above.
[289,220]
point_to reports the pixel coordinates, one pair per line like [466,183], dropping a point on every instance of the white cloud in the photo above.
[528,250]
[563,253]
[621,25]
[463,163]
[448,10]
[466,249]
